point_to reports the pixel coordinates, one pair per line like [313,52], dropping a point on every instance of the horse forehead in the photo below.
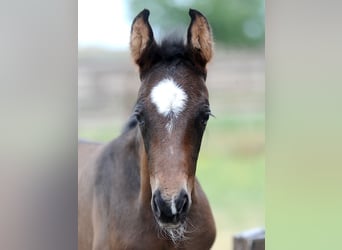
[169,97]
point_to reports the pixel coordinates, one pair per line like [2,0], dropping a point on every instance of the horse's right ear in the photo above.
[141,36]
[200,39]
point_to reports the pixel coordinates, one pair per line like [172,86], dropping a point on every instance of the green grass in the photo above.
[231,169]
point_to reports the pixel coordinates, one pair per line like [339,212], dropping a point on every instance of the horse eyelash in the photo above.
[208,112]
[137,110]
[211,114]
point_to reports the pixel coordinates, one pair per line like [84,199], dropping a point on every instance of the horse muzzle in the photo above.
[170,212]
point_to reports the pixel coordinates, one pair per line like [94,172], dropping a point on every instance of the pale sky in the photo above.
[103,23]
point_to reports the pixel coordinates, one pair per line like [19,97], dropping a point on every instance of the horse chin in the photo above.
[173,232]
[169,226]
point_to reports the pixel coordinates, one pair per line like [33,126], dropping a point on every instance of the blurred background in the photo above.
[231,166]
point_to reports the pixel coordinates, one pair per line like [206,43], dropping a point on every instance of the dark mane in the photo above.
[172,50]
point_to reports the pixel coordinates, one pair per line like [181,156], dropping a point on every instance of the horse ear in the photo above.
[200,39]
[141,36]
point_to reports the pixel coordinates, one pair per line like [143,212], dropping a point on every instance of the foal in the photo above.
[140,191]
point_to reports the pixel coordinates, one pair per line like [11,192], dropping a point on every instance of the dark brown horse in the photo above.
[140,191]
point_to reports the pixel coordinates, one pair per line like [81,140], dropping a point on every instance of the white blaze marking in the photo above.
[173,207]
[169,125]
[169,98]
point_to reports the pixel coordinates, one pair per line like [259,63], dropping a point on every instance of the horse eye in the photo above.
[204,118]
[140,118]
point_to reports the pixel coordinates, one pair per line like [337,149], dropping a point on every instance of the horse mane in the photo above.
[172,50]
[173,47]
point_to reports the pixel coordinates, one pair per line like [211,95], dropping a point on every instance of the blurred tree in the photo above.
[234,22]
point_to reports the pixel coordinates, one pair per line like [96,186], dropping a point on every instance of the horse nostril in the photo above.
[184,207]
[182,203]
[155,206]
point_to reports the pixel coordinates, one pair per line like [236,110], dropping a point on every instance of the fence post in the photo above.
[253,239]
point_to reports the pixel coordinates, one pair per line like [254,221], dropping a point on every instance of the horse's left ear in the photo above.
[200,39]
